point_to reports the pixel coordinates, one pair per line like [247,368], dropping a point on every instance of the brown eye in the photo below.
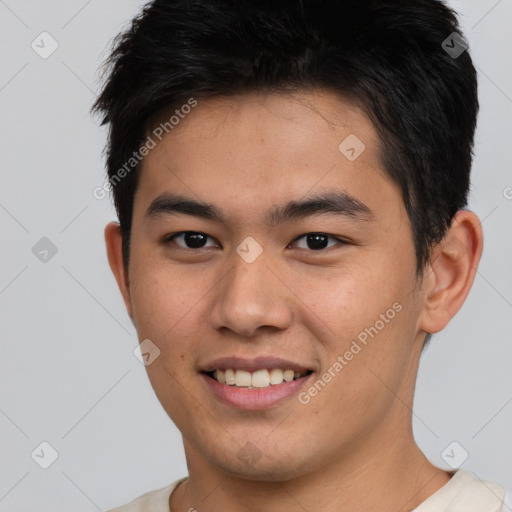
[190,240]
[317,241]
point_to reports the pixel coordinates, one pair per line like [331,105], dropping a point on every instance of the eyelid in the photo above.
[341,241]
[170,238]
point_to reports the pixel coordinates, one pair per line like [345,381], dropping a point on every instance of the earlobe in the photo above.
[113,242]
[451,273]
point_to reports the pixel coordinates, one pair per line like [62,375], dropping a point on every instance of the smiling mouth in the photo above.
[258,379]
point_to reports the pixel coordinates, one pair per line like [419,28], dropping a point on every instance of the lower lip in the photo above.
[256,398]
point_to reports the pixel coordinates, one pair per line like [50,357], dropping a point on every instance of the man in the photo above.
[290,180]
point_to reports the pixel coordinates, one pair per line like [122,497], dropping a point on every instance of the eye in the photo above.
[317,241]
[197,240]
[190,240]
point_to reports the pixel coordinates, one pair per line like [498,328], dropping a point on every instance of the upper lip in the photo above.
[251,365]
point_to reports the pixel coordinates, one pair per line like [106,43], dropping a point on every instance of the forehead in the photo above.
[265,148]
[300,118]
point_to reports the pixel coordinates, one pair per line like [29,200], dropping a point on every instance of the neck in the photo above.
[391,476]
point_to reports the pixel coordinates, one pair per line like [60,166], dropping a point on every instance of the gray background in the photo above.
[68,373]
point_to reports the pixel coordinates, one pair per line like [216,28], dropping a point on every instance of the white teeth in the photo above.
[288,375]
[242,379]
[220,376]
[258,379]
[230,377]
[276,376]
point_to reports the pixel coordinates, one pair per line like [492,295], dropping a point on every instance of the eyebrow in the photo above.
[338,203]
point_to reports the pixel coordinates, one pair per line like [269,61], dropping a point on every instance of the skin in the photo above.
[351,447]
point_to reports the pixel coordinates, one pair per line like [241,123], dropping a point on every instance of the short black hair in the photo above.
[391,58]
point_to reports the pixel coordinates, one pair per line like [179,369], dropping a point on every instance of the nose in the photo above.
[251,297]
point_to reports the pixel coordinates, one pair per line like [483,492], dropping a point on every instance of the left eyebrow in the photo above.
[338,203]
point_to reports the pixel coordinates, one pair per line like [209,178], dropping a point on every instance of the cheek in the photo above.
[160,295]
[165,306]
[368,317]
[351,301]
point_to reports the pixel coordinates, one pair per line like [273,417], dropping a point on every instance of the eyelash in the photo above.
[170,238]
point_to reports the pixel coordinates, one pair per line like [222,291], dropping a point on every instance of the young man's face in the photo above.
[248,157]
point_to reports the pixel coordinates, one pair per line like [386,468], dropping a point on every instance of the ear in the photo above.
[451,272]
[113,241]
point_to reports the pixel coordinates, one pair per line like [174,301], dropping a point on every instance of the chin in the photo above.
[279,468]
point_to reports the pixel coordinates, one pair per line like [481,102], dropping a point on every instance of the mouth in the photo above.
[255,390]
[254,383]
[259,379]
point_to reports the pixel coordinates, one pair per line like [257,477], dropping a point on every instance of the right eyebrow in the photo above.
[331,202]
[168,204]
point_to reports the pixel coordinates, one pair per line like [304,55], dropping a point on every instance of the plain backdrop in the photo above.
[68,374]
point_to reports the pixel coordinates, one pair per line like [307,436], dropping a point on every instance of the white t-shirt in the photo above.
[463,493]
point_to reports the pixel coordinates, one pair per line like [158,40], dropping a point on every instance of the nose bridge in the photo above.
[250,296]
